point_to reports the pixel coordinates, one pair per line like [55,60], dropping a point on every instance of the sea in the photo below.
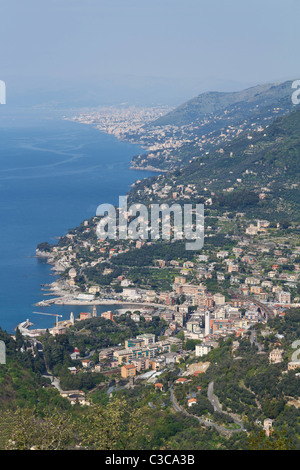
[53,175]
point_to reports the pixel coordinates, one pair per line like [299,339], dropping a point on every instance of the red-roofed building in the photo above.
[86,363]
[181,380]
[158,386]
[239,332]
[107,315]
[128,370]
[85,315]
[192,401]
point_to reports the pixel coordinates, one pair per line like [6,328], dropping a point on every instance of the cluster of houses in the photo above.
[265,270]
[276,357]
[142,353]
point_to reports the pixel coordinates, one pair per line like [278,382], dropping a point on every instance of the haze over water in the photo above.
[53,175]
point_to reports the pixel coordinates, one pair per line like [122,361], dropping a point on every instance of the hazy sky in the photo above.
[225,43]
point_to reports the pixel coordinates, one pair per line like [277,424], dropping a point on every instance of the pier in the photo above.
[25,331]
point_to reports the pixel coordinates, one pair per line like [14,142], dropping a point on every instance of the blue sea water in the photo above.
[53,175]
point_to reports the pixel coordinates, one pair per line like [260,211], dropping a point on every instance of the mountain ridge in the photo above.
[214,101]
[202,124]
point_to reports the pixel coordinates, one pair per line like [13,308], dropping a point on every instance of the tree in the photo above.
[113,427]
[180,335]
[276,441]
[190,344]
[24,429]
[19,339]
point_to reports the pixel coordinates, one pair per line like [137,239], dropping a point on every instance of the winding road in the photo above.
[218,407]
[220,429]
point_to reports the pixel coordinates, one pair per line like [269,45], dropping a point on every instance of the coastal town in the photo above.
[221,293]
[171,144]
[150,242]
[167,324]
[164,322]
[258,263]
[162,143]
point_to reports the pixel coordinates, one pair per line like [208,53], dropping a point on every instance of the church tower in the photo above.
[94,311]
[207,323]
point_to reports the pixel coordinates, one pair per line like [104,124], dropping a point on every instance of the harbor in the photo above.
[24,326]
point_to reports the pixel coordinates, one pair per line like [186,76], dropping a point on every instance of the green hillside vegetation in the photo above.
[213,103]
[272,154]
[245,383]
[264,162]
[208,121]
[21,381]
[270,158]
